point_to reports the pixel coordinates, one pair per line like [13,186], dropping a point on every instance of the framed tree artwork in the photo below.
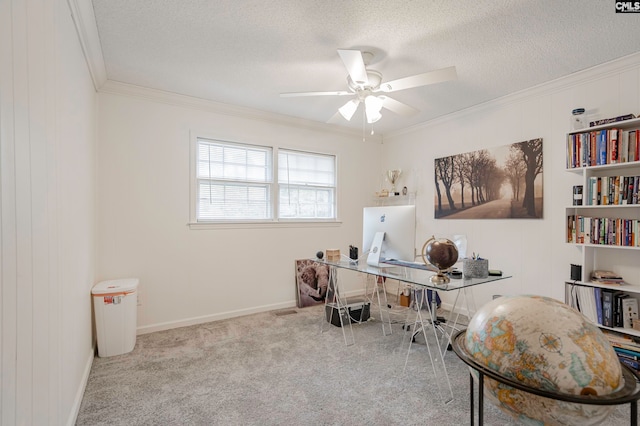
[497,183]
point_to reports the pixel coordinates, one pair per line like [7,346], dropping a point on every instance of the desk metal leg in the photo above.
[463,300]
[634,413]
[441,333]
[336,304]
[383,307]
[428,330]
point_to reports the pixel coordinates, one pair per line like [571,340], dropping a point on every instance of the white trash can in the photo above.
[115,305]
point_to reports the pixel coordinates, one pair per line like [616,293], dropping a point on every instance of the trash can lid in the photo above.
[114,286]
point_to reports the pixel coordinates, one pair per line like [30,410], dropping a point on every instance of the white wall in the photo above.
[532,250]
[190,276]
[195,275]
[47,126]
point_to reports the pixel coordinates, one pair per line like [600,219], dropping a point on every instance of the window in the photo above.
[235,183]
[307,185]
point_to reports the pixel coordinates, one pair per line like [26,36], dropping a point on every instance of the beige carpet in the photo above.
[277,369]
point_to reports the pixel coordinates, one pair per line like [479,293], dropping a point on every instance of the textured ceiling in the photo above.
[246,52]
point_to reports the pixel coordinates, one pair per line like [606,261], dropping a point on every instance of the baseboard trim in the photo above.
[225,315]
[459,310]
[77,401]
[213,317]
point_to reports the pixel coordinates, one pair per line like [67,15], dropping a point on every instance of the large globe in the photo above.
[442,253]
[543,344]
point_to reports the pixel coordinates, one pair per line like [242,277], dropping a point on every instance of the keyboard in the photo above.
[407,264]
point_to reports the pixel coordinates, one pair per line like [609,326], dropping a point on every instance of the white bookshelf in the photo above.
[619,254]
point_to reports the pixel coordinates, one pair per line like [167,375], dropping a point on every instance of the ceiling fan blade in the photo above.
[397,106]
[354,63]
[296,94]
[431,77]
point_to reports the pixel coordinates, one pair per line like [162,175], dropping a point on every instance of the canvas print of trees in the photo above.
[497,183]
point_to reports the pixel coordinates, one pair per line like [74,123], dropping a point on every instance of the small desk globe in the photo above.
[441,253]
[544,344]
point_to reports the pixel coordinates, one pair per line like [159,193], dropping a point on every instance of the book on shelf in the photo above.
[619,298]
[577,195]
[619,339]
[582,299]
[631,363]
[612,146]
[605,281]
[628,357]
[603,231]
[629,312]
[607,307]
[628,348]
[608,276]
[597,295]
[601,147]
[611,120]
[631,349]
[627,352]
[571,229]
[611,190]
[633,148]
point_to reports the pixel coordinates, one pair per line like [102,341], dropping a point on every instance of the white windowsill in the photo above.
[267,224]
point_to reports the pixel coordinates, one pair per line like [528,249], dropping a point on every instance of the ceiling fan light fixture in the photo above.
[373,105]
[364,83]
[373,117]
[347,110]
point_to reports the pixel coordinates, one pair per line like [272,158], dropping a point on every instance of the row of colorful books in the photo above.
[613,309]
[611,190]
[604,306]
[603,230]
[626,347]
[600,147]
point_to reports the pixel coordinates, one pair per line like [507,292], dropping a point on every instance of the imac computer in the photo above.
[389,232]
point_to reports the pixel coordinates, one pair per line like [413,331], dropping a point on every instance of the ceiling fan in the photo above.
[367,88]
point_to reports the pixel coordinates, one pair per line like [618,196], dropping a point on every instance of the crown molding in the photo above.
[171,98]
[85,22]
[597,72]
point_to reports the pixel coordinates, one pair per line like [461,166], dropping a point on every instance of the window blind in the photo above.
[234,181]
[307,185]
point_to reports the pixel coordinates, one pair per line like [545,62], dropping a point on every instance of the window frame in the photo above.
[275,221]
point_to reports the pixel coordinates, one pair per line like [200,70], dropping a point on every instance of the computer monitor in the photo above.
[398,223]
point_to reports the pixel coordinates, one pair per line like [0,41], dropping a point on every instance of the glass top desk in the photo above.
[411,275]
[437,338]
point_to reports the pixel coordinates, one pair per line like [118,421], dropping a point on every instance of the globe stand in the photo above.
[440,278]
[629,393]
